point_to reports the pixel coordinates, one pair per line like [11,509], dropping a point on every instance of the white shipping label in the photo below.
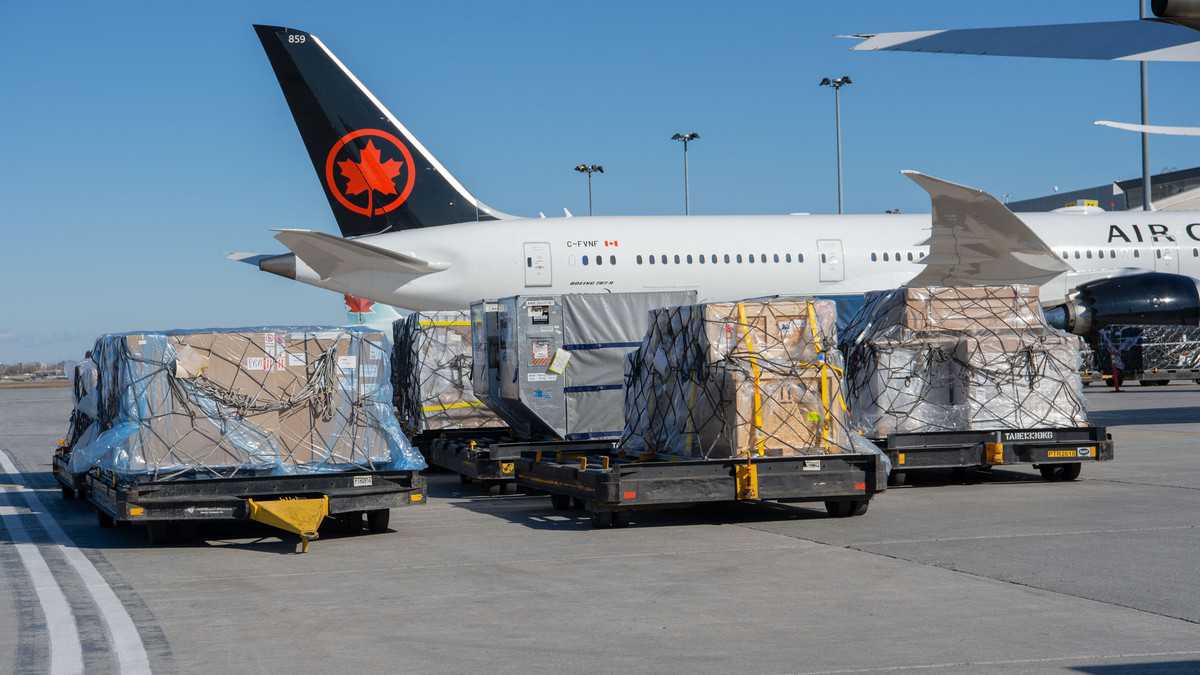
[362,481]
[347,362]
[561,358]
[254,363]
[297,359]
[812,465]
[369,372]
[542,377]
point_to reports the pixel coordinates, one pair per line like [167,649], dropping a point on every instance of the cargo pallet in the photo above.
[294,503]
[598,479]
[476,455]
[1057,453]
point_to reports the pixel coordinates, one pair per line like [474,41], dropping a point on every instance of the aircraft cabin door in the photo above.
[1166,259]
[537,264]
[829,257]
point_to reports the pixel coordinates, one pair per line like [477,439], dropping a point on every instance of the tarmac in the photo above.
[1003,573]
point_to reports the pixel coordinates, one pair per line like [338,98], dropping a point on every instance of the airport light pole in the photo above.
[589,169]
[685,139]
[1147,203]
[836,84]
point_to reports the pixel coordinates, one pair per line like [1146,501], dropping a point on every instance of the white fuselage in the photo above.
[730,257]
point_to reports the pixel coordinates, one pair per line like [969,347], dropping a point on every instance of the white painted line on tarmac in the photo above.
[126,642]
[66,653]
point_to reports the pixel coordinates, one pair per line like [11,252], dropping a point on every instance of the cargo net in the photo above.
[957,359]
[264,401]
[747,379]
[431,374]
[1146,349]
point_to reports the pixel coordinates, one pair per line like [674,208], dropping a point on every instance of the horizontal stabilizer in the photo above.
[1151,128]
[330,256]
[977,241]
[248,258]
[1145,40]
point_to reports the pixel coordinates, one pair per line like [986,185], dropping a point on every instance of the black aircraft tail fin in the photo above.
[376,174]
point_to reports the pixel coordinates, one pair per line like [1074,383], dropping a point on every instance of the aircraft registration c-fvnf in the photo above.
[415,237]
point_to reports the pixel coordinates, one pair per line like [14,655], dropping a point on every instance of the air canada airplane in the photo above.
[415,237]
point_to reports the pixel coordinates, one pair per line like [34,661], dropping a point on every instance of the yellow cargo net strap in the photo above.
[825,367]
[760,443]
[440,407]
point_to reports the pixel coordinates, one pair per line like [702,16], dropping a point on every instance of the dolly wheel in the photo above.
[464,479]
[847,508]
[560,502]
[897,478]
[377,520]
[159,532]
[106,521]
[603,520]
[68,493]
[1061,472]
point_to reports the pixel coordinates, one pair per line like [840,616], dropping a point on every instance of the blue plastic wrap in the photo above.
[219,403]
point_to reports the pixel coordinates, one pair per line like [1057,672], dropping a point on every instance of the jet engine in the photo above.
[1176,9]
[1149,298]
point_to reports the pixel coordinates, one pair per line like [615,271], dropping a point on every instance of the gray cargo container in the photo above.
[553,366]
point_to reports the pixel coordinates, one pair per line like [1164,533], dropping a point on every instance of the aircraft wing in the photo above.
[331,256]
[1141,40]
[977,241]
[1151,128]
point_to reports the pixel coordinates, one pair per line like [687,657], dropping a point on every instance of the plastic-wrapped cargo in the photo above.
[948,359]
[743,379]
[1146,348]
[255,401]
[432,374]
[552,366]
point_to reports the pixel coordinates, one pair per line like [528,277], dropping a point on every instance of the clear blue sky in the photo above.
[144,141]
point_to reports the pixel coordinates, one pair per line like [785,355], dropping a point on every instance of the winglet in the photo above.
[977,241]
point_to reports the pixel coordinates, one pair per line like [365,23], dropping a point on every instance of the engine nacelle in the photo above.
[1176,9]
[1154,298]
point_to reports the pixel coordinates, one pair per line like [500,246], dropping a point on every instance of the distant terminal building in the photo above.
[1171,191]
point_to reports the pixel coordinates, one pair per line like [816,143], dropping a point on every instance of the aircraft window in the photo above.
[1112,253]
[664,259]
[874,258]
[885,257]
[701,256]
[788,257]
[1065,256]
[1100,253]
[689,259]
[739,257]
[1077,255]
[910,256]
[1158,253]
[585,261]
[713,259]
[653,260]
[726,258]
[776,257]
[1089,254]
[639,260]
[612,260]
[897,256]
[1196,253]
[823,257]
[676,258]
[751,257]
[529,262]
[923,256]
[799,257]
[1137,253]
[762,257]
[599,260]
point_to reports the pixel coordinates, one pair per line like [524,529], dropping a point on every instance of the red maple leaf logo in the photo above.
[358,305]
[368,173]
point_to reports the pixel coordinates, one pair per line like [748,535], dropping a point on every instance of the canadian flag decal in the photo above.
[611,243]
